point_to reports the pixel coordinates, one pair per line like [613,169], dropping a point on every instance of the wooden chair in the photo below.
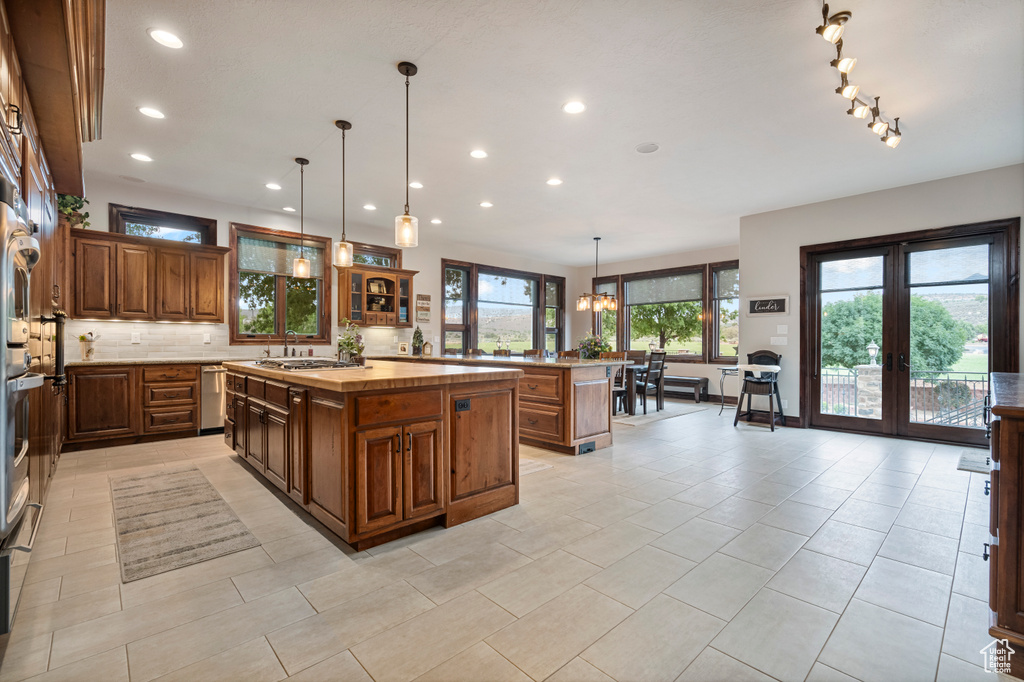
[569,354]
[502,353]
[653,379]
[533,353]
[618,384]
[451,351]
[766,384]
[474,352]
[637,357]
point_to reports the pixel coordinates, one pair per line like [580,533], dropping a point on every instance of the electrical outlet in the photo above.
[437,339]
[396,338]
[136,337]
[779,341]
[782,329]
[206,338]
[785,404]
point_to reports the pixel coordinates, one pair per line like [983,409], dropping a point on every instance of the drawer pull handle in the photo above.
[532,387]
[985,554]
[532,421]
[988,487]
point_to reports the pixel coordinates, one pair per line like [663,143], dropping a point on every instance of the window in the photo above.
[381,256]
[266,301]
[691,312]
[144,222]
[485,305]
[725,312]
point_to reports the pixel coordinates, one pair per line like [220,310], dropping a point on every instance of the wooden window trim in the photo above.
[392,252]
[237,339]
[470,316]
[119,215]
[711,314]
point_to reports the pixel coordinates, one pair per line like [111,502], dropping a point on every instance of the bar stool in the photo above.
[502,353]
[765,384]
[569,354]
[533,353]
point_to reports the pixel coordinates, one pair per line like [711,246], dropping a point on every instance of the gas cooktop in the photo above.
[297,365]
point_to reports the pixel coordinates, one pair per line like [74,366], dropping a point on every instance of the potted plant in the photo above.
[350,343]
[417,342]
[70,209]
[87,342]
[592,346]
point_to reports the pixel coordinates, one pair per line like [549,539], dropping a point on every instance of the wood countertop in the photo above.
[153,361]
[379,375]
[1007,394]
[490,361]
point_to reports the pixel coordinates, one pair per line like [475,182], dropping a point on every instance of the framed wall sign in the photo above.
[768,305]
[423,307]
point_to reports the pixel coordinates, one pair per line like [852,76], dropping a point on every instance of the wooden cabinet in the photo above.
[423,471]
[254,432]
[298,473]
[263,417]
[275,427]
[170,398]
[328,495]
[134,282]
[375,296]
[122,277]
[103,402]
[378,491]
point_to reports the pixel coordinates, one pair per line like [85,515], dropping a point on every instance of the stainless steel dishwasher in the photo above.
[212,400]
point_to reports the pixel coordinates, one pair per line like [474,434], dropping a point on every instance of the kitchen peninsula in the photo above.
[380,452]
[565,403]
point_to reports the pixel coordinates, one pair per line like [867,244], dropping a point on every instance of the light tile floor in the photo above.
[691,550]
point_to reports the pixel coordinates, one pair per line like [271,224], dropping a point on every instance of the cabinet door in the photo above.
[172,300]
[241,424]
[103,403]
[378,486]
[423,478]
[94,278]
[328,477]
[255,430]
[134,288]
[297,472]
[276,451]
[207,287]
[405,302]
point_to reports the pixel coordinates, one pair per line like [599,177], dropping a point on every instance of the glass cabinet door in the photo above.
[356,295]
[403,301]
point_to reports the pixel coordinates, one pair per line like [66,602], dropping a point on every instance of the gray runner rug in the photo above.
[172,518]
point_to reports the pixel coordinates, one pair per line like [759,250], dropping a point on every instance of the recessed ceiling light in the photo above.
[289,209]
[554,181]
[478,154]
[436,221]
[486,204]
[165,38]
[272,185]
[141,157]
[151,112]
[647,147]
[416,185]
[369,207]
[573,107]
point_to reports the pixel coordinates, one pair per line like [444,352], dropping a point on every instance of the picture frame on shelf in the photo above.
[403,347]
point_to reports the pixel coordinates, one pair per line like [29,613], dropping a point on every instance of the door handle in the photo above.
[888,361]
[903,362]
[408,442]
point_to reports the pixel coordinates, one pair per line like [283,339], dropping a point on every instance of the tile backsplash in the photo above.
[170,340]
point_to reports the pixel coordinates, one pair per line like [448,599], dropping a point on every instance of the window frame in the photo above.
[712,318]
[236,338]
[708,306]
[392,252]
[119,215]
[470,314]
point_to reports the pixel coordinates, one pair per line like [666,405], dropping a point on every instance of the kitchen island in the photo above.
[384,451]
[565,404]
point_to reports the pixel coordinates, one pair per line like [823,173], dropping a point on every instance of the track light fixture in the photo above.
[832,29]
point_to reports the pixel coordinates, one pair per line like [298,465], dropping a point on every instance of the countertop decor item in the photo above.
[70,209]
[87,341]
[428,349]
[350,341]
[591,347]
[417,342]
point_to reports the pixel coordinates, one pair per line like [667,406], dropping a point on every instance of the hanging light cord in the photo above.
[407,144]
[302,210]
[343,185]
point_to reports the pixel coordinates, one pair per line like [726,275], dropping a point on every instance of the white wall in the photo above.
[186,340]
[770,243]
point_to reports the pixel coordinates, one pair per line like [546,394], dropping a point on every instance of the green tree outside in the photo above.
[666,321]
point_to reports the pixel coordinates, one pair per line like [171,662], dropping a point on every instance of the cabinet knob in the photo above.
[532,387]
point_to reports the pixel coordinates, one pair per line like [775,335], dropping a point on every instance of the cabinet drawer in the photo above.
[276,393]
[236,383]
[544,387]
[392,319]
[255,387]
[167,419]
[546,423]
[391,407]
[169,394]
[170,373]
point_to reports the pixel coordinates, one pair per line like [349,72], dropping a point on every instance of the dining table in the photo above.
[734,370]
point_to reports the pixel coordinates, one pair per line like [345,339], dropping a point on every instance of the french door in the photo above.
[903,333]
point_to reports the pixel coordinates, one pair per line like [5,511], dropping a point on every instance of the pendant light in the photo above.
[343,250]
[300,266]
[406,226]
[597,302]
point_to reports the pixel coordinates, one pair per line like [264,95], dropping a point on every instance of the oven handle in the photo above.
[26,382]
[22,454]
[30,247]
[35,530]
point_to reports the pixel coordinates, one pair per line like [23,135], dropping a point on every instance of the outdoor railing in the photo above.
[839,391]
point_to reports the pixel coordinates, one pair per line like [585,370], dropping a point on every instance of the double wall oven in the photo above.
[19,518]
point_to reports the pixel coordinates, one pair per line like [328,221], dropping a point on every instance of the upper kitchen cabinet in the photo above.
[373,296]
[123,277]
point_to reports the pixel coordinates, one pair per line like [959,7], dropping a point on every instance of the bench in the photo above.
[699,386]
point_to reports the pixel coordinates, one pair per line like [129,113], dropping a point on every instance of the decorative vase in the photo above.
[88,349]
[359,360]
[344,355]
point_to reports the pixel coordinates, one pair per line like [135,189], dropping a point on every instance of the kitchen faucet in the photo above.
[286,340]
[267,351]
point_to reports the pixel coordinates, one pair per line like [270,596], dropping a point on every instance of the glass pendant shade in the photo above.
[300,267]
[598,307]
[833,32]
[343,254]
[609,303]
[583,303]
[407,231]
[879,127]
[846,64]
[849,91]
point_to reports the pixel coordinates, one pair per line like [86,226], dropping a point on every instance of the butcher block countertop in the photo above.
[378,375]
[1007,395]
[490,360]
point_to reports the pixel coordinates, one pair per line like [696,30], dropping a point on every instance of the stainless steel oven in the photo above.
[22,253]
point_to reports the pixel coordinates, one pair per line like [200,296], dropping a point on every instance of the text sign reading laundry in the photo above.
[778,305]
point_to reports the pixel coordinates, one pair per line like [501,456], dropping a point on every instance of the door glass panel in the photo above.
[850,292]
[949,318]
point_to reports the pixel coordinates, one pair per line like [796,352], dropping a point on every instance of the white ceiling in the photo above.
[739,96]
